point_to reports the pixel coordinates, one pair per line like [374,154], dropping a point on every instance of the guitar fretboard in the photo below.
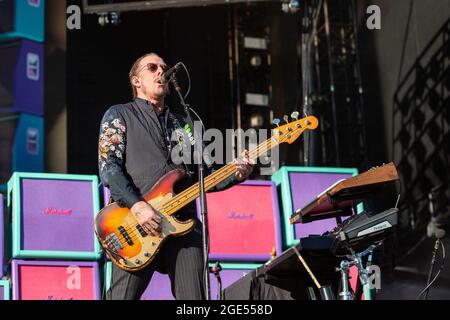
[191,193]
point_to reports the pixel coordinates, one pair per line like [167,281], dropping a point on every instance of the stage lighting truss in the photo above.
[102,7]
[254,62]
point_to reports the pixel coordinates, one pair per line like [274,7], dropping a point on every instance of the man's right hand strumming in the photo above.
[147,217]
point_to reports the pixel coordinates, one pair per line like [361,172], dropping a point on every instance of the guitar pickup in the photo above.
[141,231]
[125,235]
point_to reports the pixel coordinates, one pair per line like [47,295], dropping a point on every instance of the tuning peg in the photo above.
[286,118]
[276,122]
[294,115]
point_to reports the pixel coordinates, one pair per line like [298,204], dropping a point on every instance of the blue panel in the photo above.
[2,237]
[28,150]
[5,290]
[28,20]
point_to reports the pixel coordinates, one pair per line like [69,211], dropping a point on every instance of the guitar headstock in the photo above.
[292,130]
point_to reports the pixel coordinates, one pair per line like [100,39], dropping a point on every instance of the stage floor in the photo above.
[409,277]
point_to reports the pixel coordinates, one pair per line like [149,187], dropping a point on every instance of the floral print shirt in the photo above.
[111,158]
[134,151]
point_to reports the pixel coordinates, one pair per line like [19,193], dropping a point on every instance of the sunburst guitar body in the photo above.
[125,241]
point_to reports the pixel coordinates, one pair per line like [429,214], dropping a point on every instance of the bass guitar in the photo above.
[131,248]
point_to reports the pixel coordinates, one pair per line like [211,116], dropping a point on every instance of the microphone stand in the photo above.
[201,179]
[216,270]
[434,231]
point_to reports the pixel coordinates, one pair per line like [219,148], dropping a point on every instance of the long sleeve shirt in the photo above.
[135,151]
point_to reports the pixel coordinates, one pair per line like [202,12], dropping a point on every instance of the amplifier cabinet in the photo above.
[22,19]
[5,290]
[55,280]
[159,287]
[2,237]
[244,222]
[53,216]
[22,144]
[297,187]
[22,77]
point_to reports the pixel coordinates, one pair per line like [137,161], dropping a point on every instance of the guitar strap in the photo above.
[110,200]
[198,137]
[187,139]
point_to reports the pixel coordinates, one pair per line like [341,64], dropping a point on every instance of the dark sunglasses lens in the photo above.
[152,67]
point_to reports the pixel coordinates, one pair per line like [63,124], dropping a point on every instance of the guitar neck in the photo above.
[193,192]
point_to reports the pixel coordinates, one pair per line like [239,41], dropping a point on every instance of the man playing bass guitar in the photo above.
[134,153]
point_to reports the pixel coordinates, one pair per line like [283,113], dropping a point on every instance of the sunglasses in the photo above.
[153,67]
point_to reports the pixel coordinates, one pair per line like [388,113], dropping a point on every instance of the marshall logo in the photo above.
[32,141]
[32,66]
[234,215]
[50,297]
[58,212]
[34,3]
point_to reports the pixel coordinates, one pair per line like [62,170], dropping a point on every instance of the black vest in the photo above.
[147,153]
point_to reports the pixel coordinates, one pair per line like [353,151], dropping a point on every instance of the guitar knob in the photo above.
[295,114]
[137,261]
[146,254]
[276,122]
[286,118]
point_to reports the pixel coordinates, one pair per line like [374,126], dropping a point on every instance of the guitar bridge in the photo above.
[113,242]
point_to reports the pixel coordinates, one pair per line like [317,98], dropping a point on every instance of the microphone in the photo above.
[166,76]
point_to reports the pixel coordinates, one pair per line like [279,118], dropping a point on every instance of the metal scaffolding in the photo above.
[335,89]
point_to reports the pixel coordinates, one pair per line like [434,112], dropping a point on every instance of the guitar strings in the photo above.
[192,192]
[132,231]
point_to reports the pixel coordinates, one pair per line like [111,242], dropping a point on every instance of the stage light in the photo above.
[256,121]
[255,61]
[292,6]
[102,19]
[115,18]
[112,18]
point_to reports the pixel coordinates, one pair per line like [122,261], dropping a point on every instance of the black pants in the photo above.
[180,257]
